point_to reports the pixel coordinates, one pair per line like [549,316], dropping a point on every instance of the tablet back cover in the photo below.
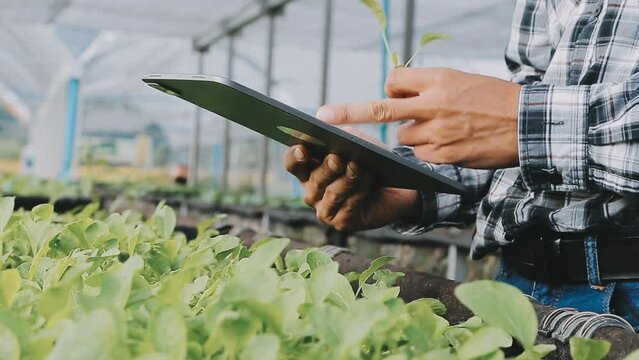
[290,126]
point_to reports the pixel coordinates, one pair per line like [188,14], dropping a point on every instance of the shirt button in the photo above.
[597,11]
[553,176]
[595,14]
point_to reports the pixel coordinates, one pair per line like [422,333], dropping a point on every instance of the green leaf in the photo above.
[497,355]
[473,323]
[395,58]
[9,344]
[377,9]
[317,258]
[541,350]
[54,301]
[457,336]
[352,276]
[503,306]
[205,225]
[264,256]
[173,288]
[379,292]
[321,282]
[97,233]
[425,39]
[20,329]
[252,281]
[9,287]
[42,211]
[484,342]
[261,347]
[116,285]
[168,332]
[375,265]
[328,325]
[342,294]
[437,306]
[231,333]
[294,259]
[96,335]
[430,37]
[440,354]
[225,243]
[164,219]
[426,329]
[588,349]
[386,276]
[88,210]
[6,209]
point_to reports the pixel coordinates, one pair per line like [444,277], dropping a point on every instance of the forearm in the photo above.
[440,209]
[580,138]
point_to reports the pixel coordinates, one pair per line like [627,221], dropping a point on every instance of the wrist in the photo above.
[410,204]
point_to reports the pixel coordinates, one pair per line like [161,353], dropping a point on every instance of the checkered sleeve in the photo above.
[529,50]
[439,209]
[580,138]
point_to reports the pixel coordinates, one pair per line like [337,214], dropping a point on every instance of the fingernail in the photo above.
[332,165]
[325,114]
[299,154]
[350,173]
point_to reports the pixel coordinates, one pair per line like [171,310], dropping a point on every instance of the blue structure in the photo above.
[383,129]
[71,124]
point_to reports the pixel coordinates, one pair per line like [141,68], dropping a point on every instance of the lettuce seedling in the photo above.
[426,38]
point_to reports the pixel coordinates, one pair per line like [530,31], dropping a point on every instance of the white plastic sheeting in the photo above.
[153,36]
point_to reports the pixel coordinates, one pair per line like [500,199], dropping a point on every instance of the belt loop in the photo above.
[592,261]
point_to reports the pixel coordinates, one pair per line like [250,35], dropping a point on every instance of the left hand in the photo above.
[456,118]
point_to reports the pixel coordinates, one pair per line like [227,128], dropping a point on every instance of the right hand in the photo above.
[344,195]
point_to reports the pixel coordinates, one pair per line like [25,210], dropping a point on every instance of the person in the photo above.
[551,158]
[180,174]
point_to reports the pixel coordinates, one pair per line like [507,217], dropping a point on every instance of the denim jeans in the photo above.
[620,297]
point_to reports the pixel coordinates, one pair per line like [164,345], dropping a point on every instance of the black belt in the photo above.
[559,258]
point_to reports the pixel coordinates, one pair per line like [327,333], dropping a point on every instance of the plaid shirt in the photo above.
[578,130]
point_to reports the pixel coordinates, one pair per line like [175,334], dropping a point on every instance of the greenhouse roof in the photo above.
[118,41]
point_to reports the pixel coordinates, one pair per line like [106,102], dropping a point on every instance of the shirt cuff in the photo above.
[437,208]
[553,133]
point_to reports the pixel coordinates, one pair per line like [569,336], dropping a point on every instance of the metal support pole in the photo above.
[383,129]
[326,51]
[409,29]
[456,264]
[227,124]
[72,117]
[197,128]
[269,87]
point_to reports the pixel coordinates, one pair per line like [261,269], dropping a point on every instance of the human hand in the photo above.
[344,195]
[454,117]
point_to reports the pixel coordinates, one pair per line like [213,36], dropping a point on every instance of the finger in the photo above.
[415,133]
[405,82]
[352,214]
[331,168]
[297,161]
[377,111]
[337,192]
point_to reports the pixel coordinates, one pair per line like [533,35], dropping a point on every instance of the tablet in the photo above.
[290,126]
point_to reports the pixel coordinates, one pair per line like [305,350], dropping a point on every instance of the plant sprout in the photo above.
[426,38]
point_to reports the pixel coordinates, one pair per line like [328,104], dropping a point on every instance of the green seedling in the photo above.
[111,286]
[426,38]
